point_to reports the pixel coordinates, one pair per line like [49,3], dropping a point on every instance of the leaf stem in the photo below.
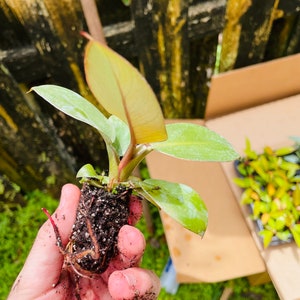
[126,158]
[139,154]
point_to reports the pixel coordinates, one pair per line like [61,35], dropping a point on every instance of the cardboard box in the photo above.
[242,103]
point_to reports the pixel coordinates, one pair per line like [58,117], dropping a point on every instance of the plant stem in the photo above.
[126,158]
[93,20]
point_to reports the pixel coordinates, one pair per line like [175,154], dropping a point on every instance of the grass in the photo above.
[18,228]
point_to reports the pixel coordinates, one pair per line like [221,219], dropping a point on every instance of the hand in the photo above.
[43,277]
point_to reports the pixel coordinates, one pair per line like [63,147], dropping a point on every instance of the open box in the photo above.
[260,102]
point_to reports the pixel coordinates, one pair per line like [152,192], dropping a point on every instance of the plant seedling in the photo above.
[271,184]
[134,128]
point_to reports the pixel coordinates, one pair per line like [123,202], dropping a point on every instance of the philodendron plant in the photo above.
[134,128]
[271,183]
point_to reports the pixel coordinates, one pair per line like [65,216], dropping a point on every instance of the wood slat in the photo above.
[55,56]
[248,25]
[203,56]
[289,6]
[164,52]
[31,154]
[284,37]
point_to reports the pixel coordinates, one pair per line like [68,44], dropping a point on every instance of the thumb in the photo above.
[134,283]
[44,262]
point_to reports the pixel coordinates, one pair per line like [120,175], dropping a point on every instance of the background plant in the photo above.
[271,183]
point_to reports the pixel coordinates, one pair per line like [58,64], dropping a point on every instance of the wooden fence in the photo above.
[177,44]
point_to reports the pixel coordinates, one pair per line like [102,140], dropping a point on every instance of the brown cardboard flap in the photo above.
[227,249]
[268,124]
[243,88]
[284,269]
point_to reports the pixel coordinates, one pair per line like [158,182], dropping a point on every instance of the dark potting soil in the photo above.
[100,216]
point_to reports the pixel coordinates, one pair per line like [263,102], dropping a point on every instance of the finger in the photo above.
[93,289]
[133,283]
[136,209]
[131,245]
[43,265]
[65,214]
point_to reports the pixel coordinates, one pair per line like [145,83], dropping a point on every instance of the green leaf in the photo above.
[123,92]
[244,182]
[126,2]
[267,237]
[259,208]
[247,196]
[113,160]
[75,106]
[280,223]
[284,151]
[244,168]
[284,235]
[248,150]
[296,195]
[179,201]
[255,164]
[194,142]
[88,173]
[122,138]
[296,234]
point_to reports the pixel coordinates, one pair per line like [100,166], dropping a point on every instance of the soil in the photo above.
[100,216]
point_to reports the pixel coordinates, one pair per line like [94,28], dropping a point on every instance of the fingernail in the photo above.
[130,279]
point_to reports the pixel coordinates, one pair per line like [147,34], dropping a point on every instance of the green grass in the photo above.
[18,229]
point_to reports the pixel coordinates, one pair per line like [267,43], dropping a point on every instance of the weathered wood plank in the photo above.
[178,63]
[206,18]
[287,7]
[53,27]
[203,58]
[164,52]
[12,33]
[202,17]
[31,154]
[25,63]
[120,37]
[246,33]
[54,30]
[146,45]
[294,42]
[284,37]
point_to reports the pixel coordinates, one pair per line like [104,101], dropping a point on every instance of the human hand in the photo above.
[43,276]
